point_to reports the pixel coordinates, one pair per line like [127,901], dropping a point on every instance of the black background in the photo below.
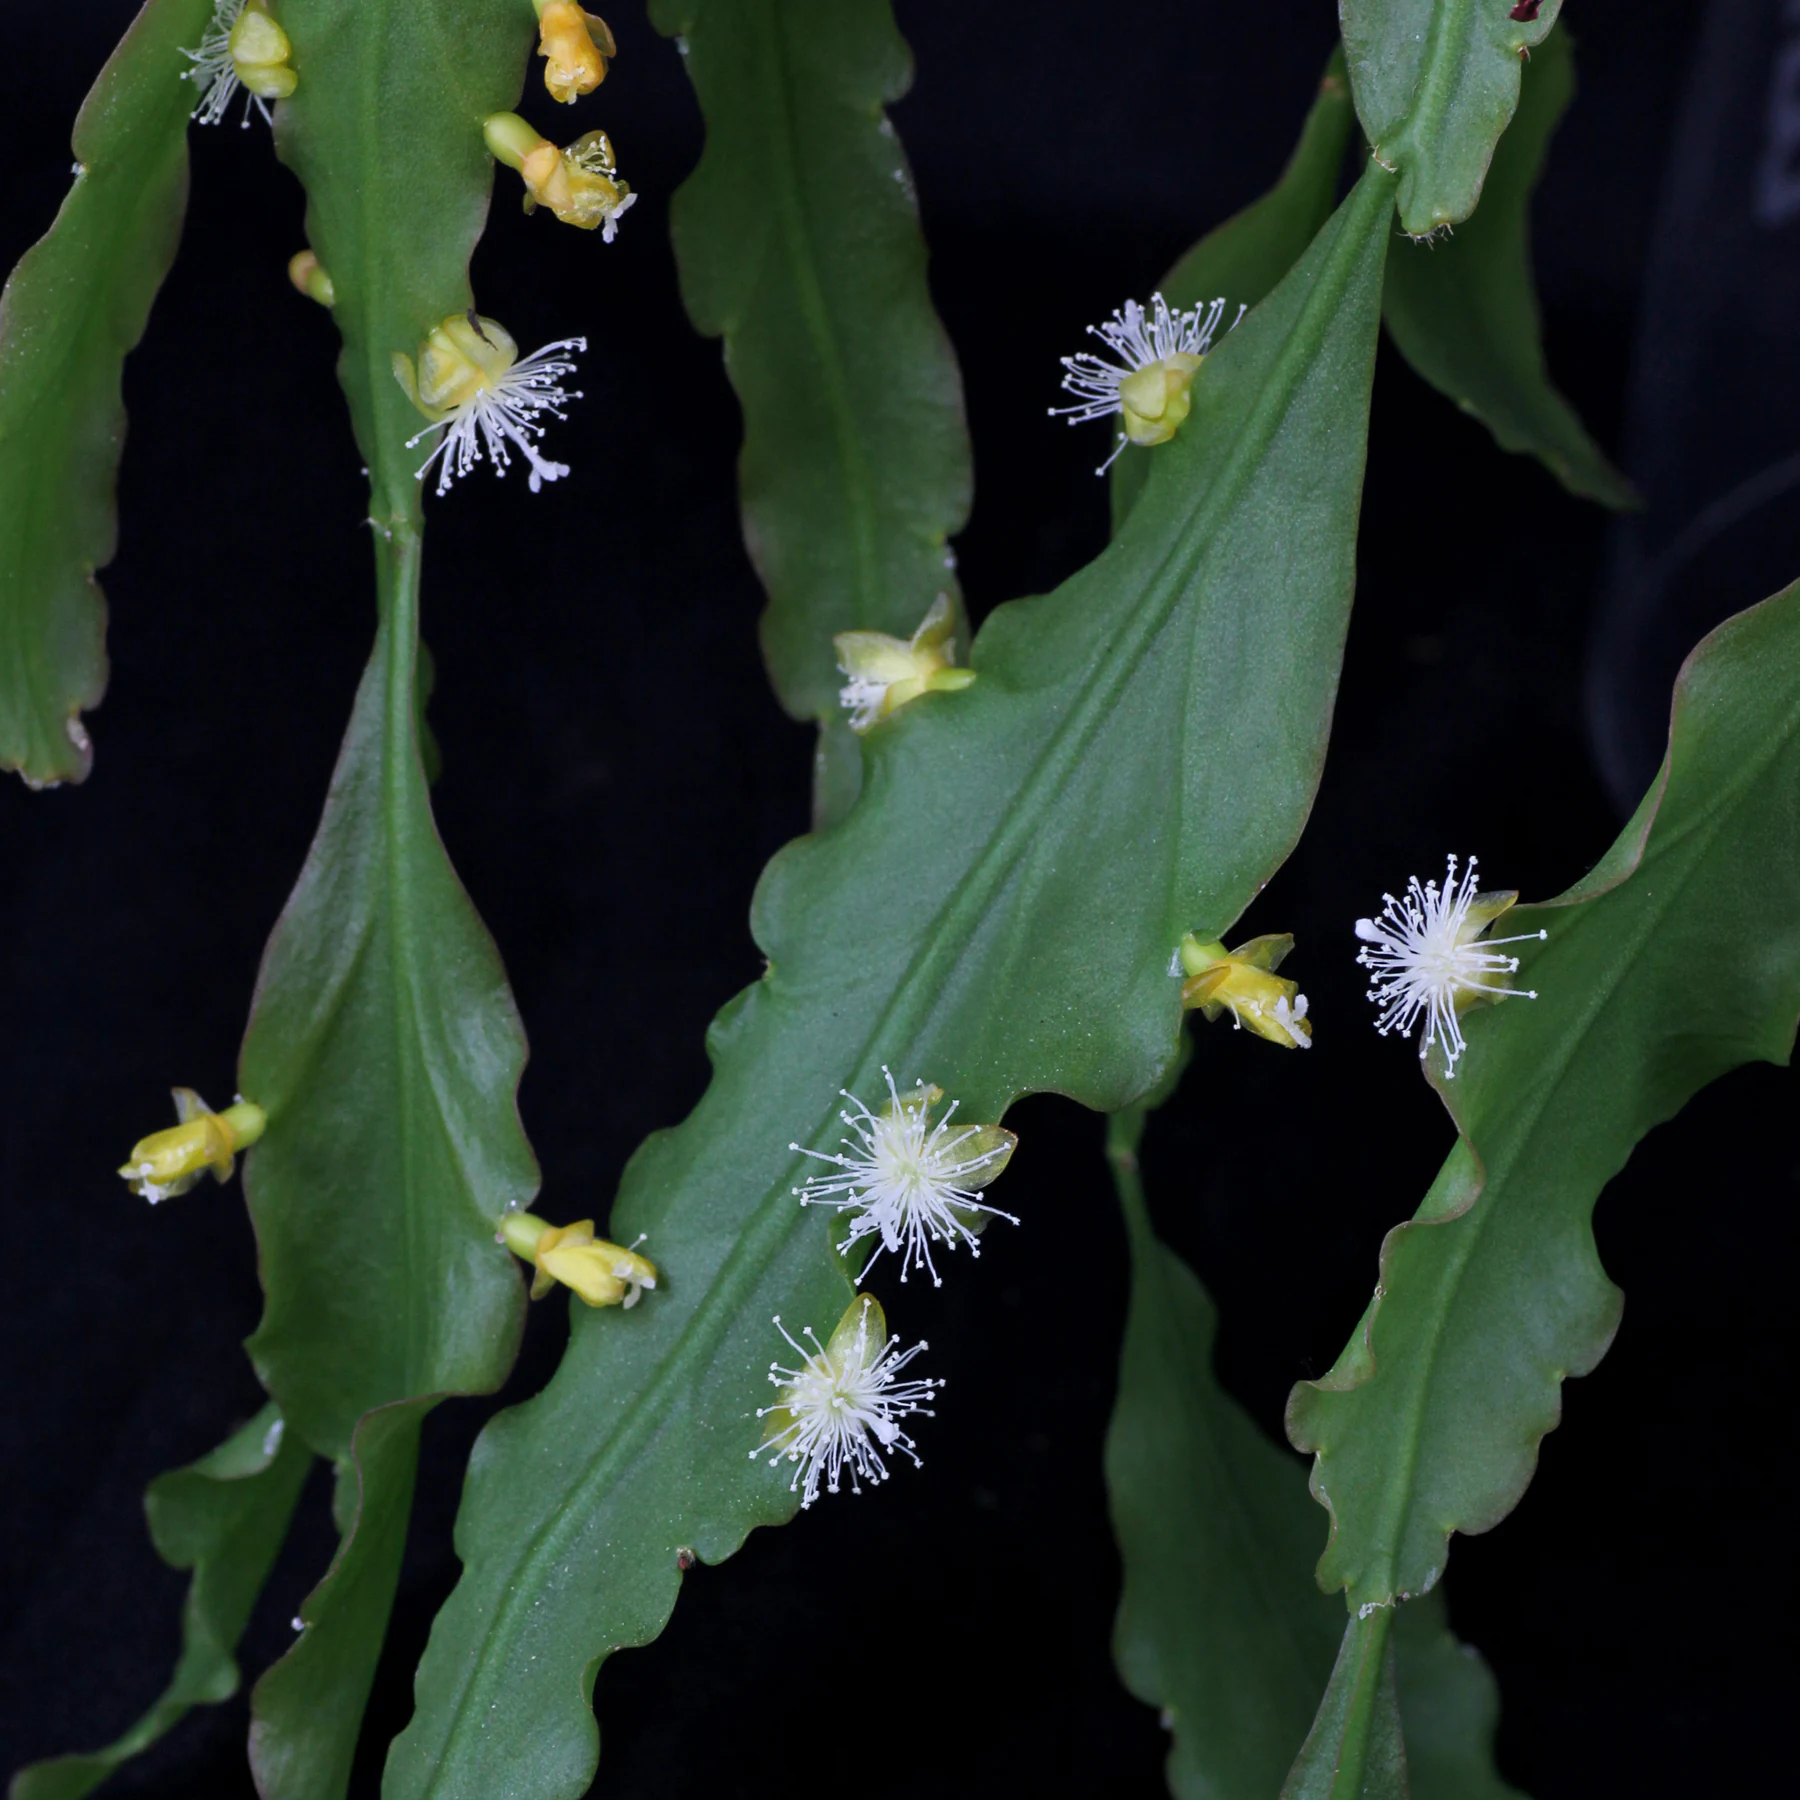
[615,776]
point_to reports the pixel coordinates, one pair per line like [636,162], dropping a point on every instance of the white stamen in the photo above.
[861,696]
[904,1178]
[844,1410]
[215,73]
[1289,1020]
[1424,954]
[505,410]
[610,229]
[1137,338]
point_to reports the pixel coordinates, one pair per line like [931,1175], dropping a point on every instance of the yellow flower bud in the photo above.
[581,184]
[259,53]
[603,1274]
[886,672]
[575,46]
[170,1162]
[308,274]
[1243,982]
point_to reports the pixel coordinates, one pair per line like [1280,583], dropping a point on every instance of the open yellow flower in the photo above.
[602,1273]
[1243,983]
[169,1162]
[581,185]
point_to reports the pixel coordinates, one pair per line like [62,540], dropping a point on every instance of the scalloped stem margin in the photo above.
[1676,960]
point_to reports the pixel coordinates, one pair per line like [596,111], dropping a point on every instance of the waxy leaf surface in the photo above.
[306,1711]
[1464,312]
[224,1517]
[1449,1708]
[1220,1626]
[383,1040]
[385,1047]
[1677,959]
[77,302]
[1436,82]
[799,243]
[1355,1750]
[997,915]
[1409,1715]
[1242,260]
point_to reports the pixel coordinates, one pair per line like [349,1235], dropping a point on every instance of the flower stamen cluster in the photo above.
[911,1181]
[1155,354]
[1428,958]
[473,386]
[840,1408]
[243,48]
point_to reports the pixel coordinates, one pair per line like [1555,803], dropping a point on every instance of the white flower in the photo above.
[214,72]
[1157,353]
[909,1179]
[482,396]
[841,1404]
[1428,958]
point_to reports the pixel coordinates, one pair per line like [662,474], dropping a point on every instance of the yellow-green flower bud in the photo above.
[170,1162]
[1154,400]
[886,672]
[461,359]
[260,52]
[575,46]
[308,274]
[603,1274]
[1243,982]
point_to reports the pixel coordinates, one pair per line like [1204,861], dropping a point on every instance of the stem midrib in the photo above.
[773,1221]
[1495,1175]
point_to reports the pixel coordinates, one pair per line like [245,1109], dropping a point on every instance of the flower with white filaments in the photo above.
[841,1405]
[1140,339]
[908,1178]
[214,71]
[1427,958]
[505,409]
